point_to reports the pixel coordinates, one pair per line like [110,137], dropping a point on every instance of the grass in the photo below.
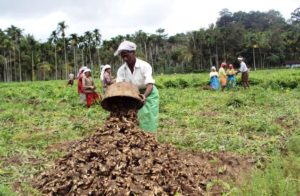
[262,121]
[281,177]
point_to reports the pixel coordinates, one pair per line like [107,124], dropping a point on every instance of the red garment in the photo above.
[91,98]
[80,86]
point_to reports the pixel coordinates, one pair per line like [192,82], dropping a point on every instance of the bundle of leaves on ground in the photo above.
[120,159]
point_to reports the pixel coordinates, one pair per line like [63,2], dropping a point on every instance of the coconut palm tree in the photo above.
[81,46]
[53,40]
[97,42]
[31,43]
[15,34]
[44,67]
[3,52]
[74,43]
[141,38]
[61,29]
[88,42]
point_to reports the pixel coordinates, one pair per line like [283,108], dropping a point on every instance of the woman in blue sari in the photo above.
[214,78]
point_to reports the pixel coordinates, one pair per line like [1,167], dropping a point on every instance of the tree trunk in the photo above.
[44,74]
[20,67]
[264,57]
[260,56]
[201,57]
[217,57]
[15,67]
[61,70]
[98,57]
[91,61]
[224,51]
[210,58]
[10,67]
[156,51]
[75,60]
[55,59]
[151,56]
[145,48]
[82,55]
[66,65]
[32,67]
[5,71]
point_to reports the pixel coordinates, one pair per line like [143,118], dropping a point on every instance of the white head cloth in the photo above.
[213,68]
[240,58]
[125,45]
[103,70]
[80,70]
[87,70]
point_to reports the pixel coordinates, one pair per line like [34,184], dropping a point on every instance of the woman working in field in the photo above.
[139,73]
[106,77]
[89,88]
[230,77]
[70,79]
[223,76]
[80,75]
[214,78]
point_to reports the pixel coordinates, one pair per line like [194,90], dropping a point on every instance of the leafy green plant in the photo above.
[182,83]
[170,84]
[293,145]
[5,190]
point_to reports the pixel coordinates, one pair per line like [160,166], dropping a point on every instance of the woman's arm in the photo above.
[148,91]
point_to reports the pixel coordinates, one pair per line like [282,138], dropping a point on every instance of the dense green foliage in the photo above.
[265,39]
[38,119]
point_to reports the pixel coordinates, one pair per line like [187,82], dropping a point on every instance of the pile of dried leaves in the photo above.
[120,159]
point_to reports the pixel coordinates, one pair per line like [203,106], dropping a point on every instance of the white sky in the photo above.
[121,17]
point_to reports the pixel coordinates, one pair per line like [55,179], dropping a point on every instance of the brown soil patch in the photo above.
[287,126]
[210,114]
[281,121]
[17,188]
[13,160]
[120,159]
[61,146]
[205,87]
[33,101]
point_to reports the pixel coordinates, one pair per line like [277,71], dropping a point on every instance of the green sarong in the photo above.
[148,114]
[231,81]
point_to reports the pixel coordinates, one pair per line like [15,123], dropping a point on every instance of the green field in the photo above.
[39,119]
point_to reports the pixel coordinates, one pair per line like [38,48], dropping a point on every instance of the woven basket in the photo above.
[122,95]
